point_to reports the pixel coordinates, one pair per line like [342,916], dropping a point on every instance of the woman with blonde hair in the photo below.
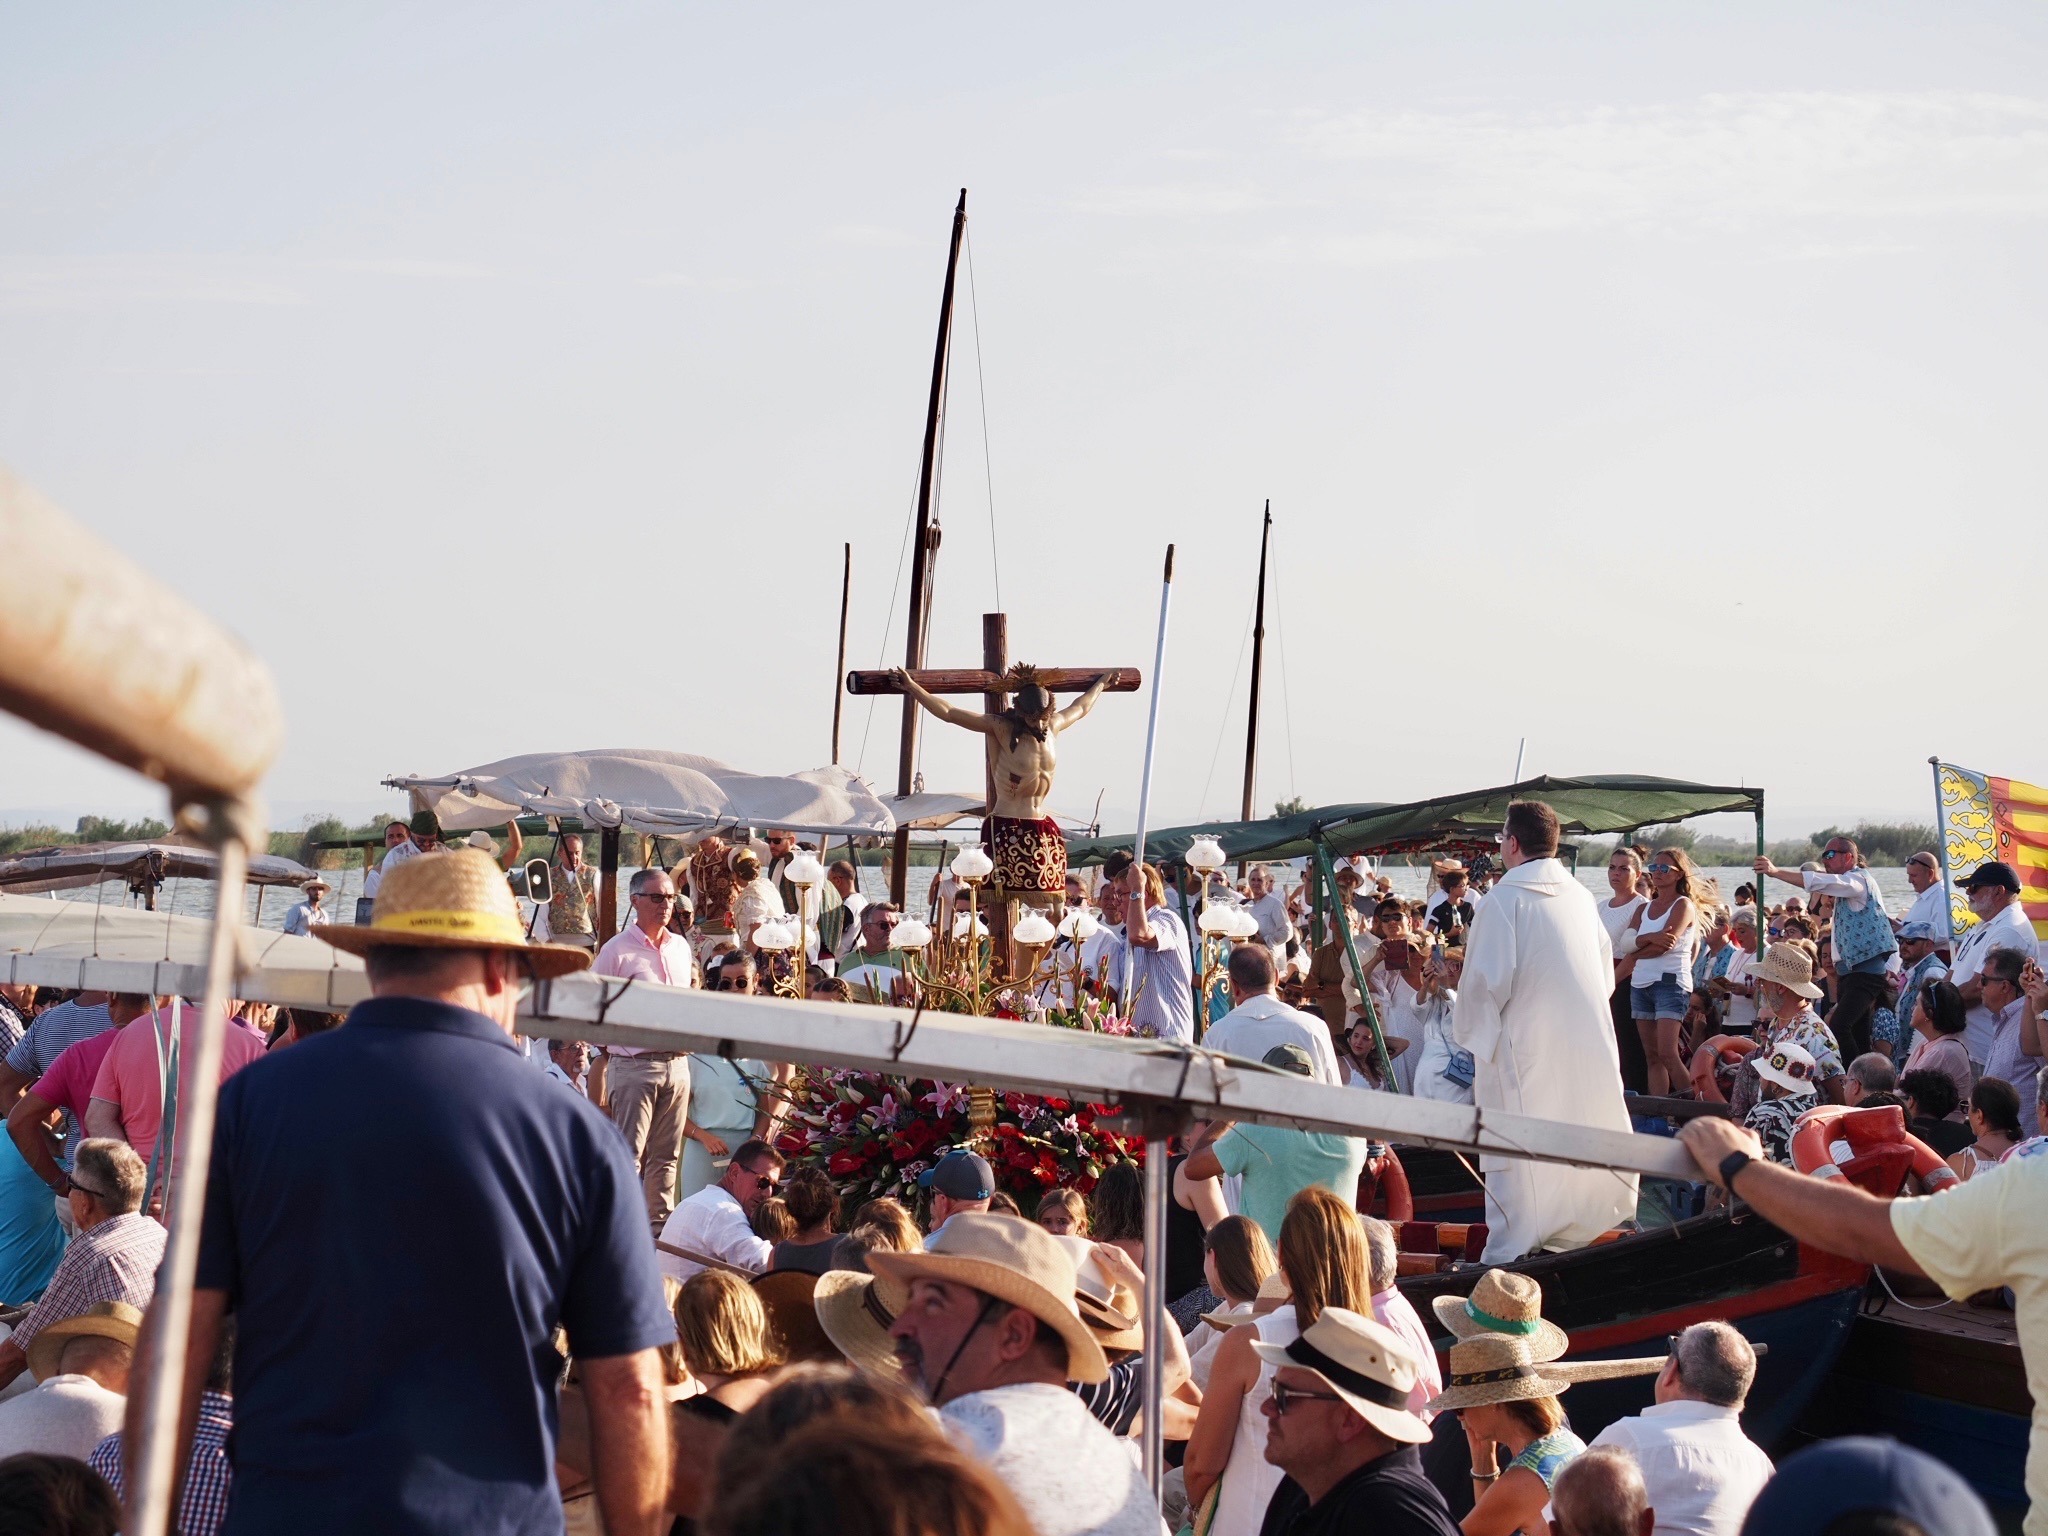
[892,1218]
[1323,1258]
[1660,979]
[1236,1261]
[727,1344]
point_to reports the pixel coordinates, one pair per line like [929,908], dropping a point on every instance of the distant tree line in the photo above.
[1882,842]
[90,829]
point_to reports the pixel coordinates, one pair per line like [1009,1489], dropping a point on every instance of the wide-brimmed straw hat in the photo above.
[454,900]
[851,1311]
[1789,966]
[1362,1361]
[1013,1260]
[104,1320]
[317,884]
[1506,1303]
[1494,1368]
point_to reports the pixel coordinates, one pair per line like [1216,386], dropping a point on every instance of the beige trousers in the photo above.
[650,1098]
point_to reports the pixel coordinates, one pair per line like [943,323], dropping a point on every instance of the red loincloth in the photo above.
[1029,855]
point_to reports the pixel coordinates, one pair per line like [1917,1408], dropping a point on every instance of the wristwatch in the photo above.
[1731,1165]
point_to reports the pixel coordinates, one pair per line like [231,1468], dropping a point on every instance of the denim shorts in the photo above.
[1665,998]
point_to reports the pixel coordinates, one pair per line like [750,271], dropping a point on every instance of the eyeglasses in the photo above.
[661,896]
[1659,869]
[1285,1397]
[761,1180]
[1834,853]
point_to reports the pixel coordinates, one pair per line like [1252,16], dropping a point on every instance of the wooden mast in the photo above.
[925,554]
[1251,729]
[839,676]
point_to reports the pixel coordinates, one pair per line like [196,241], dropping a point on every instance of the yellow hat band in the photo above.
[493,927]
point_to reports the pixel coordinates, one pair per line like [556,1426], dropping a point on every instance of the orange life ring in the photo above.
[1384,1176]
[1869,1147]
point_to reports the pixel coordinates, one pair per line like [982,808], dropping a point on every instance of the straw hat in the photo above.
[1790,967]
[104,1320]
[482,842]
[1503,1302]
[1012,1260]
[1788,1066]
[851,1311]
[317,884]
[1494,1368]
[1223,1319]
[454,900]
[1362,1361]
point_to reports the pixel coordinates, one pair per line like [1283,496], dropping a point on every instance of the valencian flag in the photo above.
[1983,818]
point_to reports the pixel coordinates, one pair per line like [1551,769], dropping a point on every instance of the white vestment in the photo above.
[1532,1010]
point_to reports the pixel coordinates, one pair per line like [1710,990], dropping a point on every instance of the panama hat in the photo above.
[1787,1065]
[1494,1368]
[851,1311]
[1790,967]
[482,842]
[1507,1303]
[317,884]
[1011,1259]
[104,1320]
[1110,1309]
[454,900]
[1363,1362]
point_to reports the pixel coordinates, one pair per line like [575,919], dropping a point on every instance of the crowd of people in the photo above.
[450,1280]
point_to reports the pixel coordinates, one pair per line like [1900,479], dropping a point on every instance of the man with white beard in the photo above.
[1532,1010]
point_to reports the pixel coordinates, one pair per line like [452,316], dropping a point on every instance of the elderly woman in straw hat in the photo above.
[1505,1388]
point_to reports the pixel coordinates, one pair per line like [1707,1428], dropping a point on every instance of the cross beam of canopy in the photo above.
[69,866]
[1593,805]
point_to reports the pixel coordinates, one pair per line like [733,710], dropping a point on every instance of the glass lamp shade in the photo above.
[972,864]
[775,937]
[1032,928]
[1243,924]
[910,934]
[1078,925]
[960,928]
[804,870]
[1206,854]
[1217,921]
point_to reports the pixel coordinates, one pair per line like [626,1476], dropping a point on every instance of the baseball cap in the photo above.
[960,1175]
[1289,1057]
[1840,1477]
[1996,872]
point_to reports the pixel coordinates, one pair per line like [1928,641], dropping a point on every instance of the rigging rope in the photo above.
[1223,722]
[981,388]
[882,654]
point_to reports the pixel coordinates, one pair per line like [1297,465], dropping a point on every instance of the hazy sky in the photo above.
[1662,383]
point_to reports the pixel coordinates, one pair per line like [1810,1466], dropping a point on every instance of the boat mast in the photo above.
[1251,729]
[926,555]
[839,673]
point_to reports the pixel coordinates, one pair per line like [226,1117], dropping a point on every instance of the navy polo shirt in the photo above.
[401,1212]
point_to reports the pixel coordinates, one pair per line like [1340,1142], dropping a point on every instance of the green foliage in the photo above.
[1292,806]
[90,829]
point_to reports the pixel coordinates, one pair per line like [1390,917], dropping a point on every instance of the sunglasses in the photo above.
[730,986]
[1285,1397]
[762,1180]
[661,896]
[1659,869]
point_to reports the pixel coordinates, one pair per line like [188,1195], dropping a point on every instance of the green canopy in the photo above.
[1598,803]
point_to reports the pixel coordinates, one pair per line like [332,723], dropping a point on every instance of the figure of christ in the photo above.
[1029,850]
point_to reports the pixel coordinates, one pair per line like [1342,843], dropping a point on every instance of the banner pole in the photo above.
[1948,880]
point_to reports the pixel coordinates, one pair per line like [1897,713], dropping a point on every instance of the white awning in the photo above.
[69,866]
[670,794]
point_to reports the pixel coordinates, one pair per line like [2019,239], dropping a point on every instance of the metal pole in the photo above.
[1761,924]
[1151,748]
[154,1456]
[1948,883]
[1158,1150]
[926,551]
[1251,729]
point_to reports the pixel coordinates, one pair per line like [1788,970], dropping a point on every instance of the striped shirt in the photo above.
[208,1475]
[66,1024]
[114,1261]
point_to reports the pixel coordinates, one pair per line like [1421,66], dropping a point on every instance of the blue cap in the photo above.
[1921,931]
[960,1175]
[1841,1477]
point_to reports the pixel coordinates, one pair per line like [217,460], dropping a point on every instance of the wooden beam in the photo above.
[981,680]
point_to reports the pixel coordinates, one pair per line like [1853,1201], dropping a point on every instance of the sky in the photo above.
[1661,385]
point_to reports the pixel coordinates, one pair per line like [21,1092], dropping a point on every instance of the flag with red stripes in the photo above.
[1985,818]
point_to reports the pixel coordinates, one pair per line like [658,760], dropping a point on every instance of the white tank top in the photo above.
[1249,1480]
[1618,920]
[1675,961]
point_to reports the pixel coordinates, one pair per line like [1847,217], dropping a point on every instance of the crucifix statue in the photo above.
[1024,841]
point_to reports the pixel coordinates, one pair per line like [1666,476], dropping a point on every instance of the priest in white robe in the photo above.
[1532,1010]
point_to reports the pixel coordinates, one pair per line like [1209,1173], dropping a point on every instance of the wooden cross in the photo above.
[988,680]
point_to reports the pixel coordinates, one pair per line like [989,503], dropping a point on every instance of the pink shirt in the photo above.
[131,1078]
[666,958]
[69,1082]
[1397,1313]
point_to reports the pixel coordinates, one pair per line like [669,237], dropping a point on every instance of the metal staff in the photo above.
[1948,880]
